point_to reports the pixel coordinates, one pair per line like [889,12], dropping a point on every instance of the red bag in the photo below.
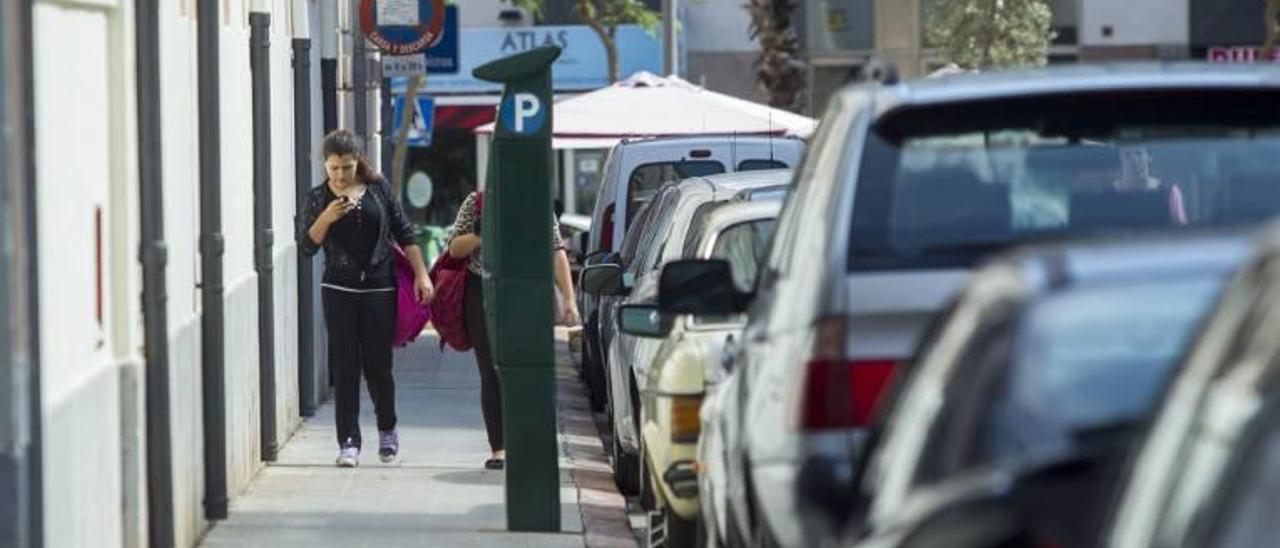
[448,308]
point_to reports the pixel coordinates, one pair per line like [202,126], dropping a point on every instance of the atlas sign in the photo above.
[402,27]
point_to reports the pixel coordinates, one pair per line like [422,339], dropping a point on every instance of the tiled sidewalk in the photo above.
[439,494]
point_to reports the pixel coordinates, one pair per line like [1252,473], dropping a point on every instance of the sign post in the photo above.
[517,285]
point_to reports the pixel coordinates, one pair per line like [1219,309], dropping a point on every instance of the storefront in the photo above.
[464,103]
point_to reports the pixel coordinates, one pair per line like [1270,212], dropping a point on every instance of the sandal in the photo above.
[495,463]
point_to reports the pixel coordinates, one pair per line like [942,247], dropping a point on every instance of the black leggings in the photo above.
[490,390]
[361,328]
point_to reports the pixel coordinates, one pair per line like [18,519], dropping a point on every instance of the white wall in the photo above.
[181,160]
[717,25]
[241,298]
[1135,22]
[283,203]
[480,13]
[86,165]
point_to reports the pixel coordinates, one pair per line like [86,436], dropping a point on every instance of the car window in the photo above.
[761,165]
[645,181]
[1081,367]
[818,169]
[654,234]
[631,242]
[943,186]
[743,246]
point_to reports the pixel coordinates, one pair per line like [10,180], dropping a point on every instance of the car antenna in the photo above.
[771,160]
[733,151]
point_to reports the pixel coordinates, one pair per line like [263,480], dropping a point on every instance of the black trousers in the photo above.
[490,389]
[361,328]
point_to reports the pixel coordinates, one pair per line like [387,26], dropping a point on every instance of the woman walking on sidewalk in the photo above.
[355,217]
[466,244]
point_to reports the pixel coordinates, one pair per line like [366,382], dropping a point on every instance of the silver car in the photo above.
[685,372]
[907,186]
[665,227]
[1032,391]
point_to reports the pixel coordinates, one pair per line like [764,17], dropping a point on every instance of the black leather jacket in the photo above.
[339,266]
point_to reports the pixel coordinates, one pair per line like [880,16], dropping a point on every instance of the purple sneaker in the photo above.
[349,456]
[388,445]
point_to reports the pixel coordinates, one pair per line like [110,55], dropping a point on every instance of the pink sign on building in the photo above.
[1242,54]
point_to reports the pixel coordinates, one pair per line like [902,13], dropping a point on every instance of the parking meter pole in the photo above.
[518,285]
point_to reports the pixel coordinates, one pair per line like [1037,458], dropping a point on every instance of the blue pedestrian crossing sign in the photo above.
[423,120]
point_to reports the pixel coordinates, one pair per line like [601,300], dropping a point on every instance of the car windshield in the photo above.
[943,186]
[646,180]
[1077,369]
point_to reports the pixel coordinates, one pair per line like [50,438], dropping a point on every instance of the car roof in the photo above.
[706,140]
[739,181]
[1060,266]
[1065,79]
[729,212]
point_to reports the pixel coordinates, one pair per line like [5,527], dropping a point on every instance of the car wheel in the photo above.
[626,469]
[668,530]
[593,372]
[647,499]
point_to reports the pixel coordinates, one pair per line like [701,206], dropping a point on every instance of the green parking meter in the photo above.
[518,284]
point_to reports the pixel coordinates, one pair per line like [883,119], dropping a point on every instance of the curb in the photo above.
[604,509]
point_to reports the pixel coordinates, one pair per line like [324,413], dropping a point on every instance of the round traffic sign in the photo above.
[419,188]
[414,32]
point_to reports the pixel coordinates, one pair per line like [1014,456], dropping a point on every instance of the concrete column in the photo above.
[899,36]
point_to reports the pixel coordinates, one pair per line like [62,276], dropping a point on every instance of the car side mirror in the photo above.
[602,279]
[700,288]
[601,257]
[643,320]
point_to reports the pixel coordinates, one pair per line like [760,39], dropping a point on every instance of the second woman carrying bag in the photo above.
[448,310]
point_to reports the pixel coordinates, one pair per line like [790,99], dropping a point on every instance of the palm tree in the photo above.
[779,68]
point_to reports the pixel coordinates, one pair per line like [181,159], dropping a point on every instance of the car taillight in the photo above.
[606,233]
[685,423]
[837,392]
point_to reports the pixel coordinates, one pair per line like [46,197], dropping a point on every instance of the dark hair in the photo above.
[343,142]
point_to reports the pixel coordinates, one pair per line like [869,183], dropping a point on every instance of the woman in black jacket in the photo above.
[356,219]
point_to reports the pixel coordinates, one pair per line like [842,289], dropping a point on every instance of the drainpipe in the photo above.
[154,293]
[329,64]
[21,518]
[212,248]
[359,77]
[302,174]
[263,239]
[386,138]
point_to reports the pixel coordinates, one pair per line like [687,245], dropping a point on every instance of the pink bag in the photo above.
[411,317]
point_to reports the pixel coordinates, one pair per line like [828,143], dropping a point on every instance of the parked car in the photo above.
[678,210]
[1032,390]
[907,185]
[1208,473]
[633,173]
[687,366]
